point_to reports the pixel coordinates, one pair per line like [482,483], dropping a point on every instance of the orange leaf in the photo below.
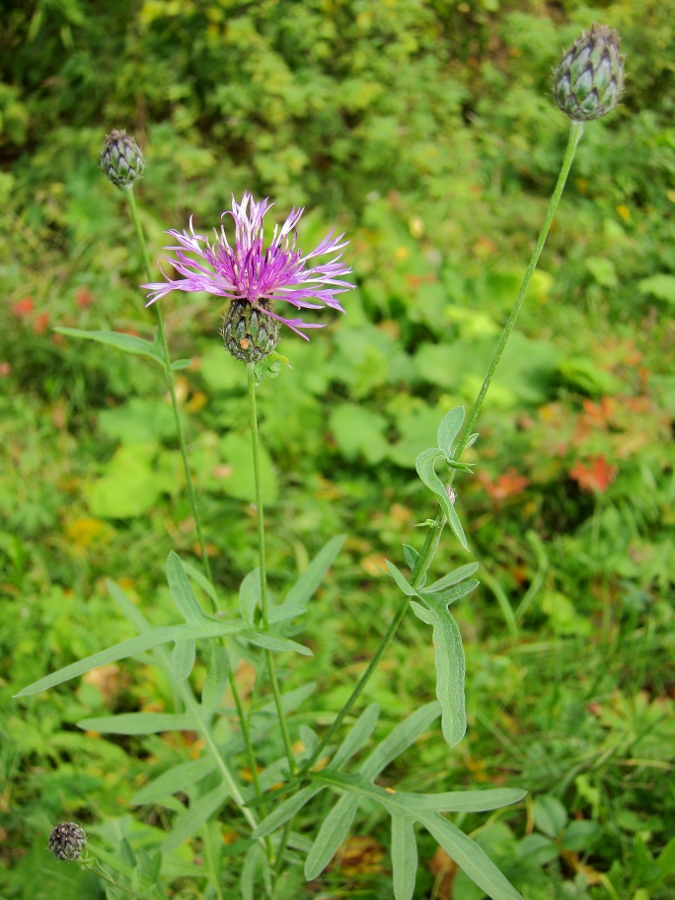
[594,476]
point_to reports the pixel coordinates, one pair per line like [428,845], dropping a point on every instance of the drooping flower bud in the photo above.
[67,841]
[588,81]
[122,161]
[249,334]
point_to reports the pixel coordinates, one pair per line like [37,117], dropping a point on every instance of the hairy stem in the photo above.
[169,378]
[264,598]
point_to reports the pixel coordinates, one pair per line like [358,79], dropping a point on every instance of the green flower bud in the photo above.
[249,333]
[122,161]
[588,82]
[67,841]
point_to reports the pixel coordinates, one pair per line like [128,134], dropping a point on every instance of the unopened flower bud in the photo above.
[67,841]
[249,333]
[588,81]
[122,161]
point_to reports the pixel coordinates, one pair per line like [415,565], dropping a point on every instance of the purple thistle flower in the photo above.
[247,272]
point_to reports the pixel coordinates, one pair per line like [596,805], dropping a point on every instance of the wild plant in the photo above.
[256,278]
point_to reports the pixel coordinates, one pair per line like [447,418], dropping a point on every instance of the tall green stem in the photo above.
[434,534]
[264,599]
[576,130]
[169,378]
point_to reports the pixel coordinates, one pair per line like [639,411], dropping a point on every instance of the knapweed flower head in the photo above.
[588,81]
[67,841]
[254,277]
[122,161]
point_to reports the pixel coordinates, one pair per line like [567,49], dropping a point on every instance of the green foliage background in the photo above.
[425,131]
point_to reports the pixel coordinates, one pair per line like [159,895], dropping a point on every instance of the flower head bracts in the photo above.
[247,271]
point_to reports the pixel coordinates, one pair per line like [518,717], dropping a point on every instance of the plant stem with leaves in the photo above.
[436,529]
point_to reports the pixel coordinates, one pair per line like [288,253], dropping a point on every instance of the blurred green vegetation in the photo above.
[425,130]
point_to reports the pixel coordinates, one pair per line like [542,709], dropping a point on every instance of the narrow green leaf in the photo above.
[359,734]
[250,596]
[403,856]
[181,592]
[128,609]
[277,644]
[453,577]
[189,822]
[249,871]
[401,581]
[449,429]
[425,469]
[179,364]
[139,723]
[132,647]
[175,779]
[198,576]
[666,860]
[450,671]
[422,613]
[285,611]
[414,805]
[469,856]
[411,556]
[304,588]
[332,833]
[290,700]
[217,670]
[398,740]
[287,810]
[440,600]
[310,740]
[127,854]
[461,801]
[183,659]
[128,343]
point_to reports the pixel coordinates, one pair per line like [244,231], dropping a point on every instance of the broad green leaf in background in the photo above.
[660,286]
[417,428]
[133,482]
[240,483]
[603,271]
[220,371]
[359,431]
[138,421]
